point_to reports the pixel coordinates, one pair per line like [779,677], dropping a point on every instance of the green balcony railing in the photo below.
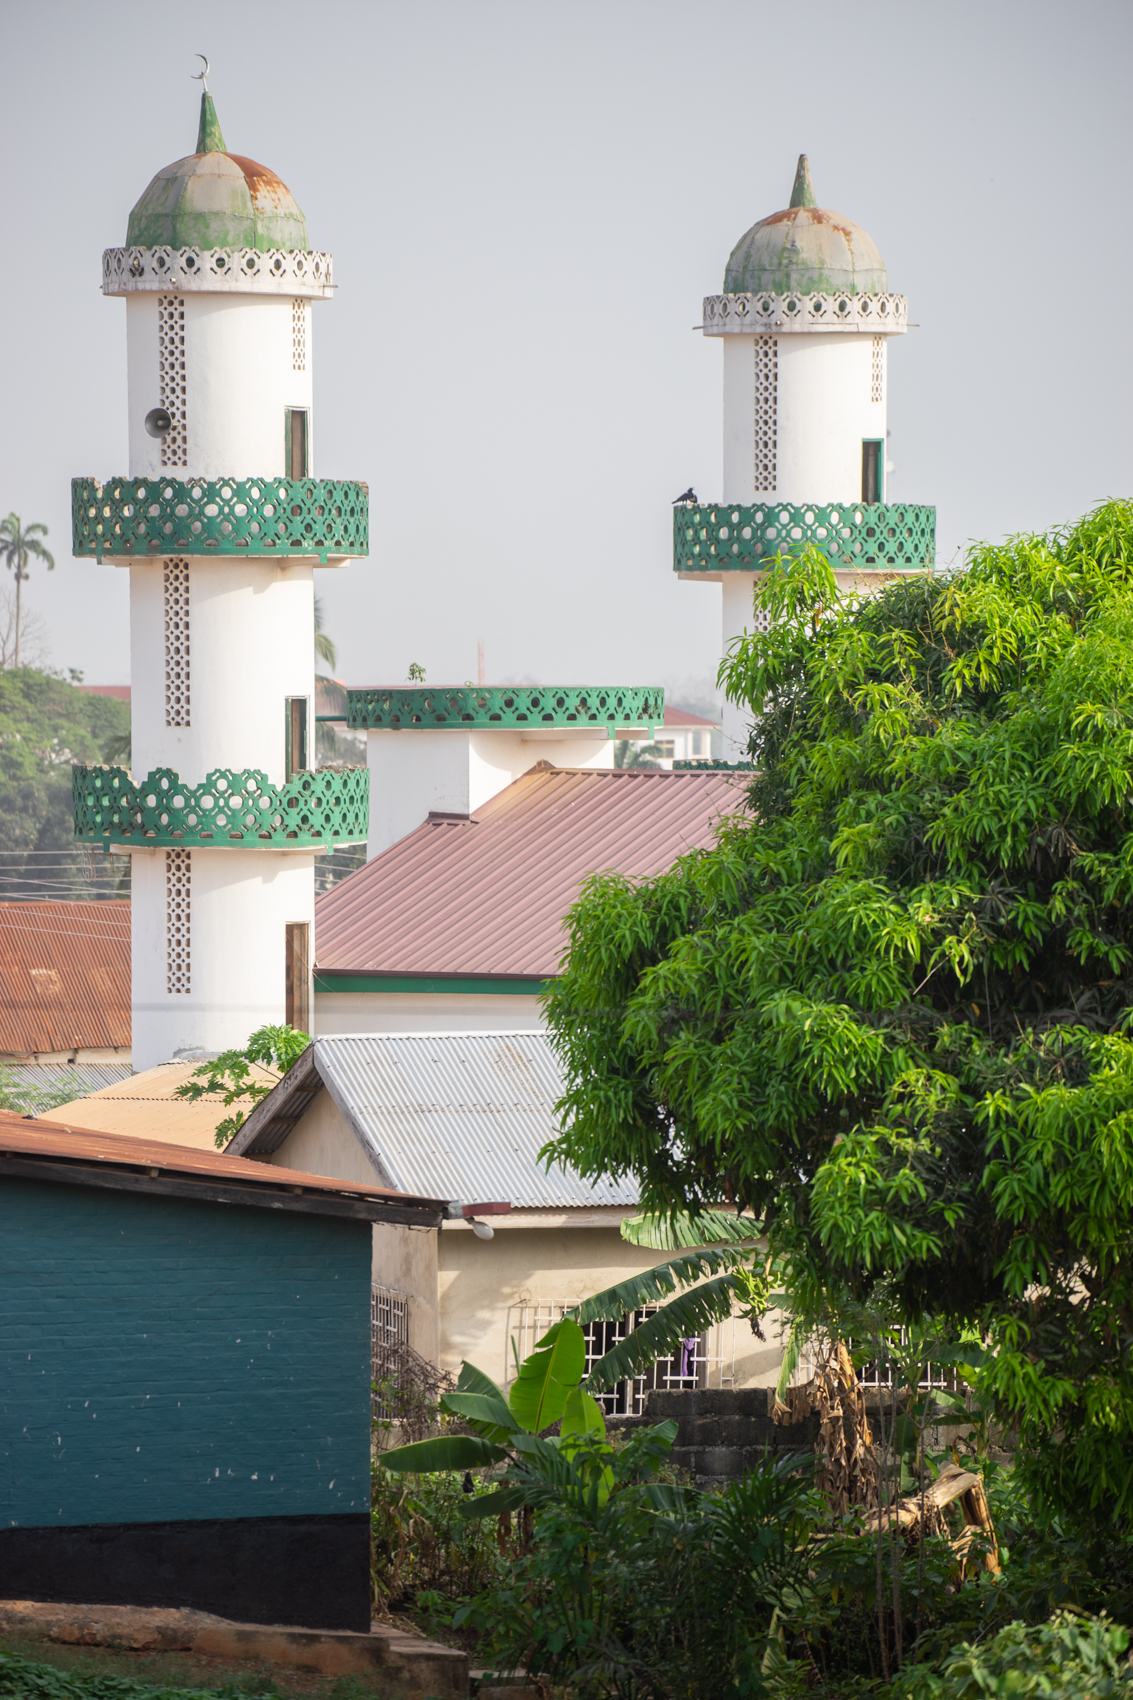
[223,516]
[874,537]
[498,706]
[233,807]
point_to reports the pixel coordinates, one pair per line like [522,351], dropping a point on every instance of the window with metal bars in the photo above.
[389,1331]
[703,1360]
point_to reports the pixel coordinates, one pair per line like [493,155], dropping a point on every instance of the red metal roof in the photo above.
[21,1137]
[64,976]
[122,692]
[682,717]
[487,894]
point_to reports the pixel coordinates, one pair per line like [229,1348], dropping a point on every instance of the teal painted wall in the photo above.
[162,1359]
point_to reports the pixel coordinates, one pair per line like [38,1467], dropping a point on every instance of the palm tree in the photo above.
[324,644]
[18,543]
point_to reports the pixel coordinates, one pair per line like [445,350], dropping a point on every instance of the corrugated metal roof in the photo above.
[55,1139]
[64,976]
[487,895]
[146,1105]
[463,1114]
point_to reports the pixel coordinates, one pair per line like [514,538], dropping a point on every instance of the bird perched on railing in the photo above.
[688,496]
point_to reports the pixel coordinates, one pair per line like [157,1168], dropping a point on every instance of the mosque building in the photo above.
[220,522]
[805,318]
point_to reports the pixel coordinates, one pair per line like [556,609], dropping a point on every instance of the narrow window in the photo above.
[296,735]
[297,976]
[178,895]
[871,471]
[766,413]
[296,443]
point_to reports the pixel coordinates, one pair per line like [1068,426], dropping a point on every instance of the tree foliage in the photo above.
[46,724]
[888,1013]
[237,1077]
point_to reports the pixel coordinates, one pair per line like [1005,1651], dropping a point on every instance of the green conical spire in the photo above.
[802,195]
[210,140]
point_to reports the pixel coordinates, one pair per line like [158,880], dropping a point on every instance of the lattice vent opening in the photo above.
[177,643]
[171,372]
[178,879]
[877,377]
[766,413]
[298,335]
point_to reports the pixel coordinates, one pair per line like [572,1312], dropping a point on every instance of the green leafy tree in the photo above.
[46,724]
[236,1077]
[888,1014]
[19,544]
[629,753]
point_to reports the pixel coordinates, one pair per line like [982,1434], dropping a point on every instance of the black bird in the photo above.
[468,1485]
[688,496]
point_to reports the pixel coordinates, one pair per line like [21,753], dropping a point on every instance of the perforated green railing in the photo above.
[225,516]
[523,706]
[233,807]
[874,537]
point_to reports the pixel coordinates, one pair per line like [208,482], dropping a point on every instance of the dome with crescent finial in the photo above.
[805,250]
[217,199]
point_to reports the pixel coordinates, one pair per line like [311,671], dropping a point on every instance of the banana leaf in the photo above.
[660,1335]
[445,1452]
[657,1283]
[546,1376]
[672,1233]
[485,1412]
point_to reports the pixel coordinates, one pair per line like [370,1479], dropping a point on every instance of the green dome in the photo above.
[804,250]
[216,199]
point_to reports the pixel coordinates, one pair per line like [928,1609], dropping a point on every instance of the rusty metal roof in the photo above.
[464,1114]
[64,976]
[487,893]
[34,1145]
[147,1105]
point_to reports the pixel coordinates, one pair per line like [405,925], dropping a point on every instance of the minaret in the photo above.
[805,318]
[220,523]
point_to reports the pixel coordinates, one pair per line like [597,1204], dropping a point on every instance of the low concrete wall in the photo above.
[722,1434]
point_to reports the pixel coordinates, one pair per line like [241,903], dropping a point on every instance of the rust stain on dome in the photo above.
[813,215]
[263,184]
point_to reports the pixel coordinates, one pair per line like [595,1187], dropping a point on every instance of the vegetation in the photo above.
[888,1014]
[19,545]
[45,725]
[237,1077]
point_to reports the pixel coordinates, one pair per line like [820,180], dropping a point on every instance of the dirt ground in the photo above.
[193,1670]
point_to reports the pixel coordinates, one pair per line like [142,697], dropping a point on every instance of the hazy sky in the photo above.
[526,204]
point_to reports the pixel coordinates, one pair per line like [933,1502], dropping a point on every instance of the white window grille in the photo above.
[881,1375]
[389,1331]
[171,372]
[766,413]
[704,1360]
[177,643]
[178,883]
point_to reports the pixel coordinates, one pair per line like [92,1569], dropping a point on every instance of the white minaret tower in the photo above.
[805,319]
[221,523]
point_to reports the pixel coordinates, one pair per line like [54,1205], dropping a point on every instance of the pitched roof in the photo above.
[487,893]
[682,717]
[64,976]
[146,1104]
[463,1114]
[53,1150]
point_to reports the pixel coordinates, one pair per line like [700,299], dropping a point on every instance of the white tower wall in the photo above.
[449,771]
[247,648]
[828,397]
[247,359]
[208,956]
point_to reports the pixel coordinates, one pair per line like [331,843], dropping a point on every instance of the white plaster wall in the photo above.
[482,1285]
[824,411]
[251,635]
[239,380]
[737,617]
[456,772]
[240,904]
[425,1012]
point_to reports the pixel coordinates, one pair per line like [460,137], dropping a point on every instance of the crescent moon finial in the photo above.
[201,76]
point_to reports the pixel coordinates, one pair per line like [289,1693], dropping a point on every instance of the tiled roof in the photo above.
[64,976]
[682,717]
[146,1105]
[487,893]
[89,1156]
[459,1114]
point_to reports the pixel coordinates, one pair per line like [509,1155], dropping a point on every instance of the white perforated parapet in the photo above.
[747,315]
[235,271]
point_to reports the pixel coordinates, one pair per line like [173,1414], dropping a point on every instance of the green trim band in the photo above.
[225,516]
[330,806]
[497,706]
[876,537]
[513,985]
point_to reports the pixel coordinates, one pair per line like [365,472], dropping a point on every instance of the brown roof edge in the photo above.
[274,1116]
[39,1150]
